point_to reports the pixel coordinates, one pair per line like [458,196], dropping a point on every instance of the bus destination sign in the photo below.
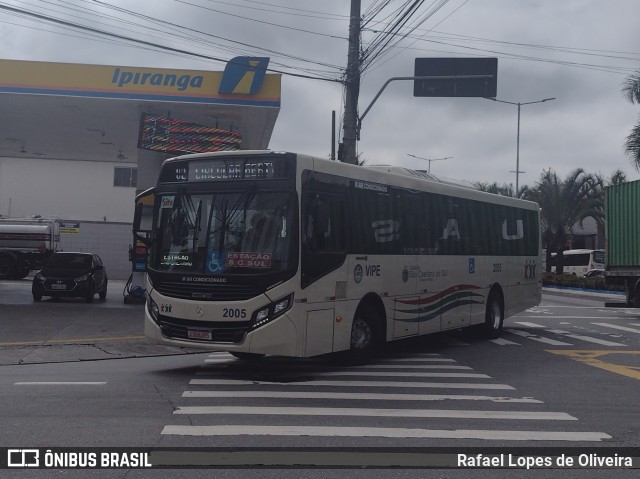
[223,170]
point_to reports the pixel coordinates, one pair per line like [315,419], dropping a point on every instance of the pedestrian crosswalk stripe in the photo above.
[416,359]
[529,325]
[403,374]
[371,412]
[358,384]
[359,432]
[412,366]
[355,396]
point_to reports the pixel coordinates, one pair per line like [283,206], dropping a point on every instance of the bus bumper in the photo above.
[277,337]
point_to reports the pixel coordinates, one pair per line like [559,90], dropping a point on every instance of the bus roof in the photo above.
[383,174]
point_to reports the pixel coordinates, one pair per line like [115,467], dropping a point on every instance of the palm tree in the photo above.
[631,90]
[504,190]
[563,204]
[617,178]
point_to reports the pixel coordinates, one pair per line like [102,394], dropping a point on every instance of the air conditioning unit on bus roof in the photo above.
[422,174]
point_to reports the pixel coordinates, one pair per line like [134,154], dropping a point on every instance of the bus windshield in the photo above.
[248,232]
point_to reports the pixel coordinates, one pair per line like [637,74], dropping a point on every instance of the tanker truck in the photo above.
[24,245]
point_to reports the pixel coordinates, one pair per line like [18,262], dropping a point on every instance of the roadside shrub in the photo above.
[571,281]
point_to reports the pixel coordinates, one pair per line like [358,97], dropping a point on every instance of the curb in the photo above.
[585,293]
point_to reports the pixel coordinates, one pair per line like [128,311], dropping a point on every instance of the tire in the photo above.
[37,298]
[635,302]
[247,356]
[494,317]
[366,333]
[22,273]
[91,293]
[103,294]
[7,268]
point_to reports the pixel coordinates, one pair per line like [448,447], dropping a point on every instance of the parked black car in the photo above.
[592,273]
[71,275]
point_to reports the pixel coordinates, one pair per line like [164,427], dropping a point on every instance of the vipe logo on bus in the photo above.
[23,458]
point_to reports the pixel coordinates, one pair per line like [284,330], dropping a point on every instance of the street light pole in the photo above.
[429,160]
[519,104]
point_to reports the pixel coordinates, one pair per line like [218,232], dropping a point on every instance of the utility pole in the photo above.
[347,153]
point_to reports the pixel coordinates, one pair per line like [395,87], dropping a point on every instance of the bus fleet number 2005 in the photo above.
[234,313]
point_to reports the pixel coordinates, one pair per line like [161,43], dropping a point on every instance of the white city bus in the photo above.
[579,261]
[258,252]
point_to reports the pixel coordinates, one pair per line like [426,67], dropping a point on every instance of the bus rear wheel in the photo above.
[366,334]
[494,317]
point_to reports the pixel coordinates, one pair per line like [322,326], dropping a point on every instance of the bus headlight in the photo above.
[153,309]
[262,314]
[271,312]
[281,306]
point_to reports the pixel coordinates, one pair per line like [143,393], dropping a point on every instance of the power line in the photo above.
[262,21]
[294,12]
[142,42]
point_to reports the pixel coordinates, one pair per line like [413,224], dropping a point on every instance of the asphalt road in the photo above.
[565,374]
[70,329]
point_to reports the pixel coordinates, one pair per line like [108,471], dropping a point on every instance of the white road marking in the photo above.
[568,317]
[530,325]
[323,431]
[359,384]
[419,359]
[534,337]
[412,366]
[503,342]
[61,383]
[371,412]
[353,395]
[588,339]
[401,374]
[621,328]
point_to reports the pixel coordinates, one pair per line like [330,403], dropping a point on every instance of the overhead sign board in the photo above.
[244,75]
[456,77]
[244,82]
[168,135]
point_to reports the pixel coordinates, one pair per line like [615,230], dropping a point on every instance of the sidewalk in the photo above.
[605,296]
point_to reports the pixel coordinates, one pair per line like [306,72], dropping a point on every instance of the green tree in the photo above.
[631,90]
[504,190]
[563,204]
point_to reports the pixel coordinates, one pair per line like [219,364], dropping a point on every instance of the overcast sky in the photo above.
[578,51]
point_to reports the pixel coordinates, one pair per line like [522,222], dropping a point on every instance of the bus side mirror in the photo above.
[137,220]
[143,199]
[137,216]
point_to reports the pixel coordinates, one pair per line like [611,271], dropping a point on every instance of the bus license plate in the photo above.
[200,334]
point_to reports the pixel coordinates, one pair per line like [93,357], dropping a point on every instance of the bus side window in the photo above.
[323,236]
[317,226]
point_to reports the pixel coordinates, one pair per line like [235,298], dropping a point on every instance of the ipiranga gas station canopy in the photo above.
[94,112]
